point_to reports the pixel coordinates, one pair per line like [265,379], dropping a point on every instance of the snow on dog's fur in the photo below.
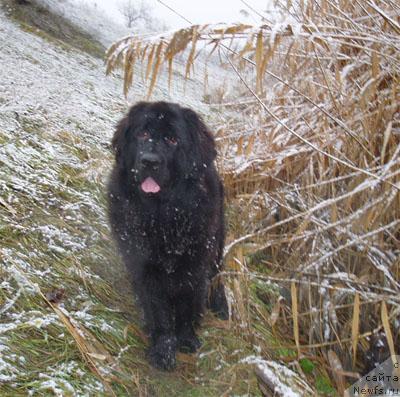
[166,214]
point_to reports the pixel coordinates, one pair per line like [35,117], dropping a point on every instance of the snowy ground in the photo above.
[89,16]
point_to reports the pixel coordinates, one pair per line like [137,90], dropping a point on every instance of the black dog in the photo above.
[166,213]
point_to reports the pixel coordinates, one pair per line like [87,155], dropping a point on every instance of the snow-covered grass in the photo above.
[54,134]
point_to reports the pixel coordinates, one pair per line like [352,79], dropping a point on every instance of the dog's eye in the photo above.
[171,140]
[144,136]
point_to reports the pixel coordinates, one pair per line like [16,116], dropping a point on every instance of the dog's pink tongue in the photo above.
[149,185]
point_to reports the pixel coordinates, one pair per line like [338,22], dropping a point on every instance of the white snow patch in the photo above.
[276,373]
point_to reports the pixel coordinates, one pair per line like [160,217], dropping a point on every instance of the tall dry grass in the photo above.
[309,151]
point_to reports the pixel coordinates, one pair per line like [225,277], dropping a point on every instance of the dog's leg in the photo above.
[186,314]
[217,300]
[159,317]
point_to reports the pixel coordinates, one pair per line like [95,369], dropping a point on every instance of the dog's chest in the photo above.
[174,231]
[170,236]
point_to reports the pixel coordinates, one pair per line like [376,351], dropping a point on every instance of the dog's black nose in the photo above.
[150,160]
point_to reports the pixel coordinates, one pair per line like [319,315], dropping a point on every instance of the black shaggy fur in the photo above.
[172,239]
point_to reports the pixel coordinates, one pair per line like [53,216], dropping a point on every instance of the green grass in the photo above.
[324,386]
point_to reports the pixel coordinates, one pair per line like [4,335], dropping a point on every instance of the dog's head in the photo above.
[159,143]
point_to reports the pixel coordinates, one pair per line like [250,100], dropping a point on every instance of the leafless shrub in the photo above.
[134,11]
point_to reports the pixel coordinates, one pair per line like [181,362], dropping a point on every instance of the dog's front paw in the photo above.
[162,354]
[188,342]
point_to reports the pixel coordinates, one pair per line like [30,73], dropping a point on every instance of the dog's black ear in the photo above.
[123,137]
[203,149]
[119,139]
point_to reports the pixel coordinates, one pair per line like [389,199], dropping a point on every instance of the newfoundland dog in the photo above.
[166,214]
